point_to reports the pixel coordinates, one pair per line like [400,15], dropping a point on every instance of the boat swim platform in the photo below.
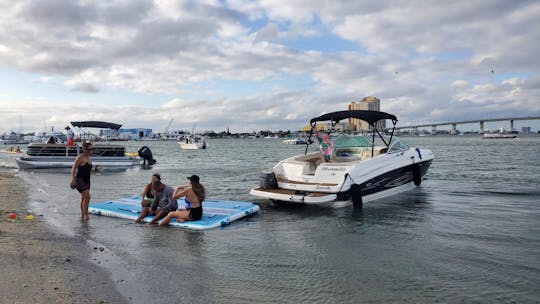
[286,195]
[216,213]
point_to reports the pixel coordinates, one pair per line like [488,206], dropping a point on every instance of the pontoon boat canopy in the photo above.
[96,124]
[370,117]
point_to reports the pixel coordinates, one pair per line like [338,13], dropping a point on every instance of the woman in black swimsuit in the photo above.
[194,195]
[80,178]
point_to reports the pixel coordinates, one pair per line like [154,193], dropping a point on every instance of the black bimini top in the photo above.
[96,124]
[370,117]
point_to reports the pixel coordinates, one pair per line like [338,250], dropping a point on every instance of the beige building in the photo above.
[340,127]
[367,103]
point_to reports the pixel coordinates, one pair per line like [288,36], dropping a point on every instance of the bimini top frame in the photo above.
[371,117]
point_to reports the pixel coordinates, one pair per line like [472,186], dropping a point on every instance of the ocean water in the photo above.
[469,234]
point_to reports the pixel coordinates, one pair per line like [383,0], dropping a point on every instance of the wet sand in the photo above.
[38,265]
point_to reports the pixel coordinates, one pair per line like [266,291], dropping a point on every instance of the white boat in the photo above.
[499,135]
[357,169]
[192,142]
[58,155]
[294,141]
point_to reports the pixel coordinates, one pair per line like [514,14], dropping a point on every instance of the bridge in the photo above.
[463,122]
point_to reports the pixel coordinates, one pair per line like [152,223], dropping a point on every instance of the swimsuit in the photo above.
[83,177]
[149,197]
[195,213]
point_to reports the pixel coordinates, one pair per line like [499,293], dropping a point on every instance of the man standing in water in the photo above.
[163,202]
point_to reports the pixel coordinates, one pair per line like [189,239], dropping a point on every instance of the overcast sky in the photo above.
[270,64]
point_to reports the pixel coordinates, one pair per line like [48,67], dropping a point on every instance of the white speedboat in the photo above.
[105,155]
[349,168]
[294,141]
[192,142]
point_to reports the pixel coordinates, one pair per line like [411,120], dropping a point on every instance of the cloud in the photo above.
[424,60]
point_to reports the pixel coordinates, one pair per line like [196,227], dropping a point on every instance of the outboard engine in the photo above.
[146,154]
[267,180]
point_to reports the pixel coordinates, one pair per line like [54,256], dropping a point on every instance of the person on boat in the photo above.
[80,177]
[194,195]
[326,146]
[18,149]
[70,137]
[148,197]
[163,202]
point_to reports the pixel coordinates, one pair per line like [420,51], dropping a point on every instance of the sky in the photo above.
[264,65]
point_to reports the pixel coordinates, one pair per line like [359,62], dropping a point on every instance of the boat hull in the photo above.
[194,146]
[499,136]
[51,162]
[368,187]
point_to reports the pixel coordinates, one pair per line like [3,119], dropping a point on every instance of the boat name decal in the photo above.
[332,169]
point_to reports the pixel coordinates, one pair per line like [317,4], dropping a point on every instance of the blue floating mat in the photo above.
[216,213]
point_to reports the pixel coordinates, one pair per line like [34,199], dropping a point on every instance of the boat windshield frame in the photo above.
[371,117]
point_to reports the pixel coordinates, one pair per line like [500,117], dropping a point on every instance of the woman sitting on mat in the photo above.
[194,196]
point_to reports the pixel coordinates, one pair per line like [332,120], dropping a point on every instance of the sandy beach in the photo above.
[39,265]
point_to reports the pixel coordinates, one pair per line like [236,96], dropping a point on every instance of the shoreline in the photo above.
[43,266]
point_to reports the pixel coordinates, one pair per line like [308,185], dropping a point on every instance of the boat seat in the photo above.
[366,154]
[347,154]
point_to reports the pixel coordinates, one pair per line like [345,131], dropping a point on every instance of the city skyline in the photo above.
[264,65]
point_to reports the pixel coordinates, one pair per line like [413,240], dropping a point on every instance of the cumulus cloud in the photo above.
[426,61]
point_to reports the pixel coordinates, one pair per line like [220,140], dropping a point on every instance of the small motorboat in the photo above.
[192,142]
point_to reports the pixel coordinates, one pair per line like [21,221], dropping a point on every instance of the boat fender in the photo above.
[419,154]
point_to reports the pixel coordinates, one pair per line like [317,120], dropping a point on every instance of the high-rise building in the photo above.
[367,103]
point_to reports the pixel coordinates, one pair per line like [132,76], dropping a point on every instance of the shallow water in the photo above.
[469,233]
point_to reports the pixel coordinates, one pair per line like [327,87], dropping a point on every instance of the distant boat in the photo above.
[499,135]
[192,142]
[295,141]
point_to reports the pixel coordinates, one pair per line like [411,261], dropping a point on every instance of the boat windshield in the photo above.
[362,141]
[351,141]
[397,146]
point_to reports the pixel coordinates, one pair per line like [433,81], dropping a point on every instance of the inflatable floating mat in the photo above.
[216,213]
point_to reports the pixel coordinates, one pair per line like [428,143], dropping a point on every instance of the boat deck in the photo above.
[288,181]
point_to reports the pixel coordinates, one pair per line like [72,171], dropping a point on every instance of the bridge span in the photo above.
[463,122]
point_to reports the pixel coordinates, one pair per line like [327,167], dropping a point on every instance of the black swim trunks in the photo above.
[195,213]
